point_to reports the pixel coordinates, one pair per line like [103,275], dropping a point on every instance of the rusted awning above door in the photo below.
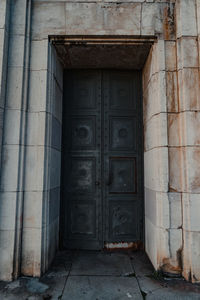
[102,51]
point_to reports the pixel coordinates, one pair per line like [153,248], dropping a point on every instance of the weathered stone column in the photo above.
[185,135]
[12,175]
[163,237]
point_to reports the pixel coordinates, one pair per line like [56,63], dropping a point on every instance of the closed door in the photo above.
[102,189]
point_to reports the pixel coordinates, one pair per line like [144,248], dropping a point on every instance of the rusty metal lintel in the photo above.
[102,40]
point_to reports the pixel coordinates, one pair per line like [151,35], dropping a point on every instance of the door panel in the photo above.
[102,158]
[122,175]
[81,160]
[122,156]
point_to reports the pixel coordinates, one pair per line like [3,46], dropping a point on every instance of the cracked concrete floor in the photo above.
[99,275]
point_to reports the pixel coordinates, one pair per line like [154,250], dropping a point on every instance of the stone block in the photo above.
[38,91]
[8,210]
[154,63]
[159,56]
[39,55]
[192,161]
[195,255]
[3,8]
[154,98]
[157,208]
[172,92]
[168,19]
[147,70]
[36,128]
[45,20]
[186,18]
[199,48]
[14,87]
[155,132]
[174,129]
[150,205]
[191,206]
[191,133]
[16,53]
[156,169]
[104,18]
[187,52]
[57,69]
[198,16]
[150,242]
[184,171]
[162,244]
[191,256]
[10,168]
[34,180]
[152,18]
[176,169]
[31,252]
[12,126]
[170,55]
[19,10]
[7,239]
[33,210]
[175,212]
[189,89]
[163,210]
[149,13]
[176,244]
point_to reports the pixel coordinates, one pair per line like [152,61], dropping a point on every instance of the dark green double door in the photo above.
[102,186]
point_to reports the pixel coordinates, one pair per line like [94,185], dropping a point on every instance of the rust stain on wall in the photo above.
[168,22]
[124,245]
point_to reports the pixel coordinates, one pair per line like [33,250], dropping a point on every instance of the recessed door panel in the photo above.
[83,132]
[123,220]
[82,221]
[84,92]
[122,133]
[102,188]
[82,175]
[122,175]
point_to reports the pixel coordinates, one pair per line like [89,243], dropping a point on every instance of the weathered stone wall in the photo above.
[30,173]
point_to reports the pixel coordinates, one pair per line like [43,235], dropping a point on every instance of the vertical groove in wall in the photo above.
[47,159]
[3,75]
[20,196]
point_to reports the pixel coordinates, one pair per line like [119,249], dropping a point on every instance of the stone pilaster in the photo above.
[12,176]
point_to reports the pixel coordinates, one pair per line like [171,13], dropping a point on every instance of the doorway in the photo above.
[102,165]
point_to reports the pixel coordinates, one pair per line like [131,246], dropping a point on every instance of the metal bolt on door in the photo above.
[102,190]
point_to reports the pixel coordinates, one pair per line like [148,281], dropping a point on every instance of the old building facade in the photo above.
[159,40]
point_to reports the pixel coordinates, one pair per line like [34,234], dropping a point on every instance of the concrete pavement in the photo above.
[99,275]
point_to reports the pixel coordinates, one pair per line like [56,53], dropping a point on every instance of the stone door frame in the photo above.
[156,50]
